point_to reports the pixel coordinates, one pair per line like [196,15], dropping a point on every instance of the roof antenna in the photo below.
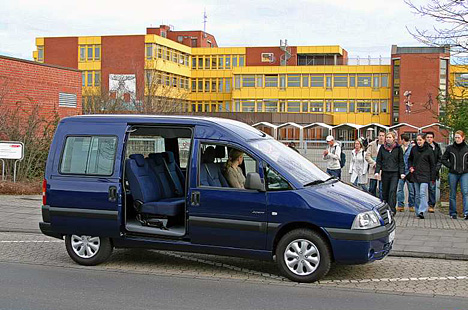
[205,17]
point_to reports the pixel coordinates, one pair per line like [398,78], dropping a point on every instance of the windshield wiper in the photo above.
[319,181]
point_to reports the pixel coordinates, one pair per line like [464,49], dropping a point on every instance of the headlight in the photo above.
[366,220]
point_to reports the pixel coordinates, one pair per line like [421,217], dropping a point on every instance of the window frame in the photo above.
[62,153]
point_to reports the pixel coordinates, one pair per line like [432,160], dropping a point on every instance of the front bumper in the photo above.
[352,246]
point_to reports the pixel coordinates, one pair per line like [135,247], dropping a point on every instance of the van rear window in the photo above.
[89,155]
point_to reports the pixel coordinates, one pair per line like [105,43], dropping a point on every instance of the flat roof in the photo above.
[38,63]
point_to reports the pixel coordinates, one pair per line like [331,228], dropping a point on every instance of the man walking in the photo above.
[333,156]
[438,162]
[371,157]
[406,147]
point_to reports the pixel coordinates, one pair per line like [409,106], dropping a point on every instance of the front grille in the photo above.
[384,211]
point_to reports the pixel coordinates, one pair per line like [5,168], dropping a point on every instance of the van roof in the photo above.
[239,128]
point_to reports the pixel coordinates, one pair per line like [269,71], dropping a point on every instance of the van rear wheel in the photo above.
[88,250]
[303,256]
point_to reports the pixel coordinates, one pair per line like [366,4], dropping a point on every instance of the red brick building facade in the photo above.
[25,84]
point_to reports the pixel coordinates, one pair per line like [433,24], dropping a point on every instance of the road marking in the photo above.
[29,241]
[394,280]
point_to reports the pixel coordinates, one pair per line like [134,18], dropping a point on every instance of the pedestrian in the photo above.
[406,146]
[333,156]
[359,166]
[292,145]
[391,166]
[455,158]
[423,170]
[371,157]
[438,164]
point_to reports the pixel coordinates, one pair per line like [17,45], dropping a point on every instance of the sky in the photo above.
[362,27]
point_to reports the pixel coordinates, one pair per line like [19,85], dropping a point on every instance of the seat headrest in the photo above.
[169,157]
[220,151]
[157,158]
[208,155]
[139,159]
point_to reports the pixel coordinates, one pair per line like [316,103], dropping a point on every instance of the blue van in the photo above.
[120,181]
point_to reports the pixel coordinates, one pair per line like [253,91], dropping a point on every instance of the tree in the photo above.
[455,110]
[452,30]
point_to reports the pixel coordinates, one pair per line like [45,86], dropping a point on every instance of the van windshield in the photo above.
[301,168]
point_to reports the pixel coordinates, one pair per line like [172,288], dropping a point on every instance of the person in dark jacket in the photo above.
[438,163]
[456,159]
[391,166]
[422,165]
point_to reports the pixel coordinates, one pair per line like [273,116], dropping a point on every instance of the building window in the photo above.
[259,106]
[340,106]
[363,107]
[220,62]
[271,105]
[149,51]
[282,106]
[200,62]
[207,62]
[194,63]
[316,81]
[271,80]
[213,85]
[316,106]
[90,78]
[90,53]
[282,79]
[234,61]
[461,79]
[194,42]
[305,104]
[259,79]
[364,81]
[180,39]
[97,78]
[237,103]
[175,57]
[200,86]
[384,80]
[294,106]
[214,65]
[228,62]
[340,81]
[248,105]
[376,81]
[237,81]
[220,85]
[305,80]
[97,52]
[294,80]
[352,80]
[207,85]
[375,107]
[328,105]
[352,106]
[40,53]
[227,106]
[241,61]
[83,79]
[248,81]
[384,106]
[194,85]
[82,53]
[163,34]
[328,80]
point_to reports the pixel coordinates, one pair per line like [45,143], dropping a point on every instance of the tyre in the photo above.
[303,255]
[88,250]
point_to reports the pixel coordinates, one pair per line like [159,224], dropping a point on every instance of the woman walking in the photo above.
[456,159]
[391,166]
[359,166]
[422,166]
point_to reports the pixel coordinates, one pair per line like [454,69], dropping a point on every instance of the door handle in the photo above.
[195,199]
[112,193]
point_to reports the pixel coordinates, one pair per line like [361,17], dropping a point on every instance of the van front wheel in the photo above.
[303,256]
[88,250]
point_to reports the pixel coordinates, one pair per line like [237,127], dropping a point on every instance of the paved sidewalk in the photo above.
[437,236]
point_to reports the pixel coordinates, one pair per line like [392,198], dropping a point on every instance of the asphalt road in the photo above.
[25,286]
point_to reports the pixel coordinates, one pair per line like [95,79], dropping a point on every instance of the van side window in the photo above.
[89,155]
[274,181]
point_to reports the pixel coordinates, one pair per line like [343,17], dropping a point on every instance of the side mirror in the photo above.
[253,181]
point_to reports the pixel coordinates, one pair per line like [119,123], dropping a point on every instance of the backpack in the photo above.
[342,159]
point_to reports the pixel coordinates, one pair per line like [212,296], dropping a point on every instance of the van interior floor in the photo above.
[135,226]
